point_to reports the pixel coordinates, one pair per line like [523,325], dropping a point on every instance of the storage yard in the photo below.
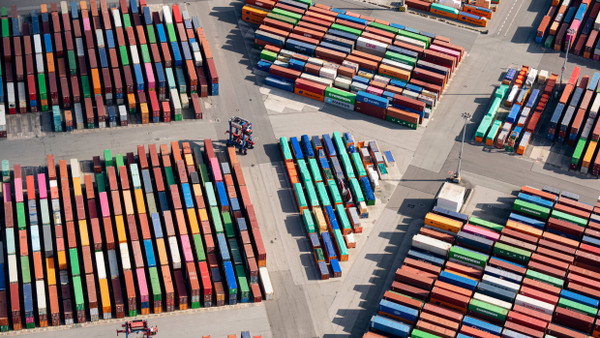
[302,302]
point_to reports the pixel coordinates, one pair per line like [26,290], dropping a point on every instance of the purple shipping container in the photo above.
[187,248]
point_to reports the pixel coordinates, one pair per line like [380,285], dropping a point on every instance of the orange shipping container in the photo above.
[394,72]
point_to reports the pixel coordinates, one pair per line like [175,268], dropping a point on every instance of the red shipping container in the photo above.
[520,236]
[541,286]
[442,236]
[533,313]
[316,21]
[307,85]
[309,33]
[434,329]
[467,330]
[506,266]
[289,8]
[518,327]
[402,300]
[312,26]
[442,312]
[572,319]
[449,299]
[445,323]
[415,277]
[182,296]
[563,332]
[555,254]
[539,295]
[409,290]
[408,102]
[283,72]
[549,261]
[370,110]
[560,240]
[424,266]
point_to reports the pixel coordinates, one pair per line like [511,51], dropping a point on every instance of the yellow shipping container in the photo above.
[443,223]
[83,233]
[139,201]
[524,228]
[320,221]
[194,228]
[121,233]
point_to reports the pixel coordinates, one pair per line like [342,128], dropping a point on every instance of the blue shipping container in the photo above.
[176,54]
[457,280]
[223,248]
[300,47]
[372,99]
[389,326]
[149,252]
[527,220]
[481,325]
[328,244]
[222,193]
[187,195]
[307,146]
[139,77]
[400,311]
[278,82]
[156,225]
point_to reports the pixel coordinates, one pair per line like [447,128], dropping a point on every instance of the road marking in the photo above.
[514,17]
[506,17]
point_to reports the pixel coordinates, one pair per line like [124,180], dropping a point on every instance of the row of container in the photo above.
[162,236]
[352,61]
[476,14]
[535,276]
[113,62]
[334,180]
[571,24]
[516,109]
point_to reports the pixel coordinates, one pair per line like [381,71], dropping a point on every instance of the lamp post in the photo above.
[456,178]
[570,37]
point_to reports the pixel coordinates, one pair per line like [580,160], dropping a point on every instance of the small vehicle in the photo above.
[138,326]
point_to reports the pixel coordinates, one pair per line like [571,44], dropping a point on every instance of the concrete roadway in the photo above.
[304,307]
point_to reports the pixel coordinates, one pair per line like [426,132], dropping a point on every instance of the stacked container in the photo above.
[101,267]
[130,289]
[107,230]
[11,90]
[380,69]
[532,276]
[13,269]
[84,240]
[334,182]
[36,248]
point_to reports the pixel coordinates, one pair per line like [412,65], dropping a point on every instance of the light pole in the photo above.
[570,37]
[456,178]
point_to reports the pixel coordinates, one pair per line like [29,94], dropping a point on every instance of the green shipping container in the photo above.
[145,54]
[203,173]
[151,204]
[151,34]
[21,220]
[235,251]
[486,224]
[319,256]
[493,132]
[346,29]
[85,87]
[210,194]
[25,270]
[531,210]
[306,2]
[100,183]
[285,149]
[124,56]
[415,36]
[155,283]
[483,127]
[78,291]
[542,277]
[72,62]
[356,191]
[341,243]
[488,310]
[569,218]
[309,222]
[268,56]
[468,256]
[515,254]
[126,21]
[416,333]
[119,161]
[108,160]
[169,176]
[323,197]
[171,78]
[74,261]
[335,192]
[200,254]
[216,220]
[282,18]
[576,158]
[288,14]
[549,41]
[244,288]
[182,86]
[347,165]
[327,173]
[343,220]
[5,25]
[358,165]
[401,58]
[444,8]
[383,27]
[311,193]
[340,95]
[42,87]
[304,172]
[171,32]
[300,197]
[228,224]
[314,170]
[577,307]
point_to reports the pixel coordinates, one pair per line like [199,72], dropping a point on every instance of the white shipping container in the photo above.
[350,241]
[176,101]
[382,79]
[358,86]
[314,78]
[522,121]
[595,107]
[185,101]
[410,41]
[64,7]
[331,65]
[534,304]
[117,18]
[39,63]
[13,272]
[112,264]
[506,275]
[75,168]
[37,44]
[175,257]
[374,178]
[167,18]
[430,244]
[597,23]
[512,96]
[542,76]
[328,73]
[79,47]
[41,296]
[10,96]
[492,300]
[514,334]
[286,53]
[501,283]
[198,59]
[2,118]
[266,282]
[185,16]
[451,3]
[125,258]
[79,123]
[22,96]
[397,64]
[315,61]
[350,64]
[411,94]
[342,82]
[100,265]
[35,238]
[371,46]
[195,46]
[135,58]
[100,38]
[339,103]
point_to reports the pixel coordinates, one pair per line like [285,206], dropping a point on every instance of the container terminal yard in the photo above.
[340,295]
